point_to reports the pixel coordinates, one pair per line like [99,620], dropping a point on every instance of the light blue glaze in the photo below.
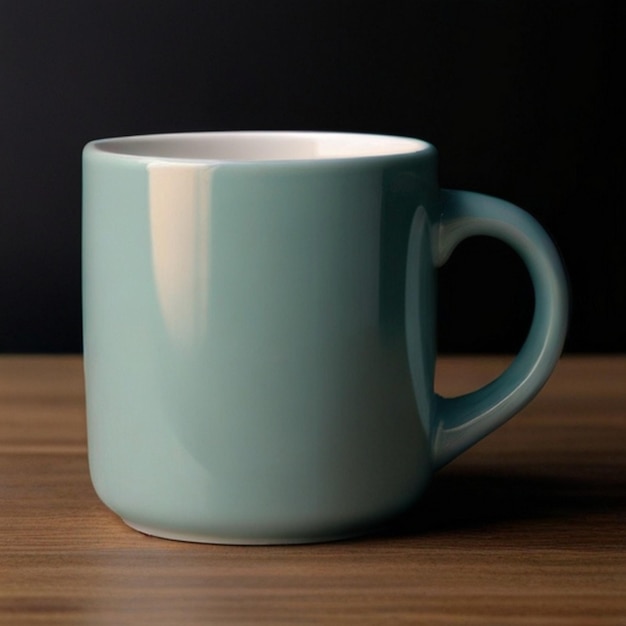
[260,338]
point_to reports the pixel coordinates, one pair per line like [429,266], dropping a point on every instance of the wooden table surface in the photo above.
[529,527]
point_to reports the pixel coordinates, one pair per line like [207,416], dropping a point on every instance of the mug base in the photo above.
[162,533]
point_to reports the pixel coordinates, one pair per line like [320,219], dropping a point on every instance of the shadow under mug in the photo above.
[259,330]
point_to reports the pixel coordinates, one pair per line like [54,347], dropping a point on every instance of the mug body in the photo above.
[249,300]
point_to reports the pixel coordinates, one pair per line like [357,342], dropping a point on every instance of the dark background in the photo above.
[522,98]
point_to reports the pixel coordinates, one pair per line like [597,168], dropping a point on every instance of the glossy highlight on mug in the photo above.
[180,222]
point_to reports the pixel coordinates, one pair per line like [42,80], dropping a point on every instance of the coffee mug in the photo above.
[259,330]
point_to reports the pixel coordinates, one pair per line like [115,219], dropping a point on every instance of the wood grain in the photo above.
[528,527]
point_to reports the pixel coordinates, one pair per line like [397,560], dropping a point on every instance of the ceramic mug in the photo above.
[259,330]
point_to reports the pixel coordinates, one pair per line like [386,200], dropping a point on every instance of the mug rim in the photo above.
[210,147]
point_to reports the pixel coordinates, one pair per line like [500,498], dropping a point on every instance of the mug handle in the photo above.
[462,421]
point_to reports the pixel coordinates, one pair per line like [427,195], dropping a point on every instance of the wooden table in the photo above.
[529,527]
